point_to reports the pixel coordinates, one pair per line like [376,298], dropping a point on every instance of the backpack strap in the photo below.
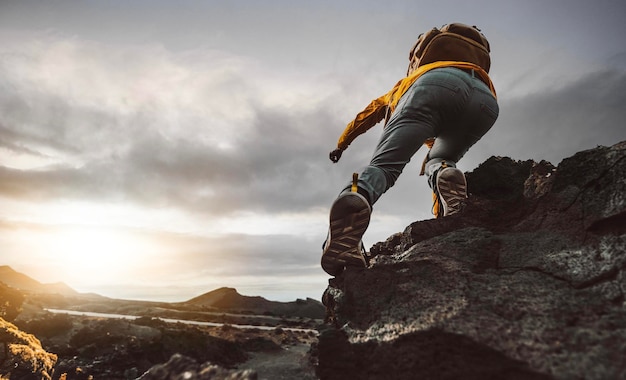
[418,49]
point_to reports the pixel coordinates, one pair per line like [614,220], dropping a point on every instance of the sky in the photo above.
[158,150]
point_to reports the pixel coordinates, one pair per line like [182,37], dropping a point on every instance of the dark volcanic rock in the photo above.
[528,282]
[115,349]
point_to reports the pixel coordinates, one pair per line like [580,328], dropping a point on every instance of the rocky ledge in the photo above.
[527,282]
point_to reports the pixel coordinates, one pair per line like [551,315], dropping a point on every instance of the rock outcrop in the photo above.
[21,355]
[528,282]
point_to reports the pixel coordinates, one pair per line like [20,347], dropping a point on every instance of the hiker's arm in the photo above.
[366,119]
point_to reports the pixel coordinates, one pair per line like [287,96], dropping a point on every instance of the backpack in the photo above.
[453,42]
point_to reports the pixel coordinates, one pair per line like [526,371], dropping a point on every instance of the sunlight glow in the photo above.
[93,247]
[85,256]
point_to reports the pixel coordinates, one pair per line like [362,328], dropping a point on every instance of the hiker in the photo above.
[447,102]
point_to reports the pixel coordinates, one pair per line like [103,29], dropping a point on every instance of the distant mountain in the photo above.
[229,299]
[223,299]
[22,282]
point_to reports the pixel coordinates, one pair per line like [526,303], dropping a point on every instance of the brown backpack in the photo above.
[453,42]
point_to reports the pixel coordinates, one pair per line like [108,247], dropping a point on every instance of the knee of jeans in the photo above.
[376,181]
[435,163]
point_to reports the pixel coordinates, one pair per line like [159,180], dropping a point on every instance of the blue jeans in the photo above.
[449,104]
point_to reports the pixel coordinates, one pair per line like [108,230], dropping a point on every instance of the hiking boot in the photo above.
[349,218]
[449,191]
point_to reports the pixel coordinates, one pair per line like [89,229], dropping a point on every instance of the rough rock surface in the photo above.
[527,282]
[21,355]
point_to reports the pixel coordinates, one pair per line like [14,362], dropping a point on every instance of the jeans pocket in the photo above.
[490,111]
[439,82]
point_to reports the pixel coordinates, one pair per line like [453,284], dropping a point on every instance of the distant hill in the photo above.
[22,282]
[229,299]
[223,299]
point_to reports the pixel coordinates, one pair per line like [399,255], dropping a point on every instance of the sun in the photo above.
[95,254]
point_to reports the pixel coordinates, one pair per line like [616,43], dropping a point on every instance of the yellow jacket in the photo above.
[379,108]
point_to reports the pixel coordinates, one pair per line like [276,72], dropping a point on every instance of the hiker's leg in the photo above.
[454,138]
[350,213]
[458,135]
[418,116]
[397,145]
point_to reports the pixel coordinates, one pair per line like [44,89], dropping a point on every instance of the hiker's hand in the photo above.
[335,155]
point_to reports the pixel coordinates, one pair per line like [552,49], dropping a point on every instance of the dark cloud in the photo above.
[14,141]
[279,164]
[131,138]
[555,124]
[41,126]
[275,161]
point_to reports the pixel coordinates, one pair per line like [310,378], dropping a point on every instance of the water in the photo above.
[170,320]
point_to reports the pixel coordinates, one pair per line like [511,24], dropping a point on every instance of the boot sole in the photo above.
[452,188]
[349,218]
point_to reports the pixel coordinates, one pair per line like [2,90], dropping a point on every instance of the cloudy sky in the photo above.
[161,149]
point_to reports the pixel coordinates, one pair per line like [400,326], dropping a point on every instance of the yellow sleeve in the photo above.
[366,119]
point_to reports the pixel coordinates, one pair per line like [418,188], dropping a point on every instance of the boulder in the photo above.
[527,282]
